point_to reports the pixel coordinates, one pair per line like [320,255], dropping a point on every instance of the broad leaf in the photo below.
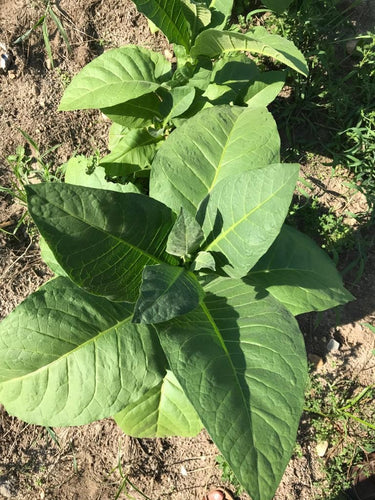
[48,257]
[198,16]
[166,292]
[136,113]
[265,88]
[299,274]
[68,357]
[115,77]
[81,171]
[215,144]
[241,361]
[235,72]
[242,215]
[215,43]
[102,239]
[170,17]
[221,11]
[163,411]
[277,5]
[186,235]
[134,151]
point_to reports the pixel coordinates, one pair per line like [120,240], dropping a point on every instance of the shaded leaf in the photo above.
[299,274]
[265,88]
[166,292]
[136,113]
[204,260]
[102,239]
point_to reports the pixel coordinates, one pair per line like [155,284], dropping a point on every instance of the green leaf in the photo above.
[81,171]
[235,72]
[68,357]
[177,101]
[204,260]
[215,144]
[163,411]
[221,11]
[136,113]
[117,76]
[198,16]
[243,214]
[166,292]
[215,43]
[134,151]
[240,360]
[277,5]
[186,235]
[265,88]
[102,239]
[48,257]
[170,17]
[299,274]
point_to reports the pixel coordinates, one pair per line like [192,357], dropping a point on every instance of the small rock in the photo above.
[216,495]
[321,448]
[5,490]
[183,471]
[333,345]
[316,361]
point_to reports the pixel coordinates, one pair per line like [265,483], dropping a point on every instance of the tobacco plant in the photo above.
[173,310]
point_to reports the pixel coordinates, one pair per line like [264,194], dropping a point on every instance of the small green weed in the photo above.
[227,475]
[51,13]
[346,422]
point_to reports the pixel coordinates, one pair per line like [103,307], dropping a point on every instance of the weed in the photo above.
[51,13]
[227,475]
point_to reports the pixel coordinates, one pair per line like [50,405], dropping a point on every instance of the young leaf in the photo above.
[77,172]
[136,113]
[277,5]
[204,260]
[215,144]
[166,292]
[186,235]
[170,17]
[102,239]
[115,77]
[134,151]
[265,88]
[243,214]
[64,357]
[299,274]
[215,43]
[162,412]
[176,102]
[241,361]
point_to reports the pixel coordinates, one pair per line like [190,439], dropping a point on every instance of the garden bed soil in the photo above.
[92,462]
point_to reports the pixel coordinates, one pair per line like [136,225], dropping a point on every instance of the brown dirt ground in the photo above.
[85,463]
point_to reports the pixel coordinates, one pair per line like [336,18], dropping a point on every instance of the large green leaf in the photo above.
[163,411]
[242,215]
[166,292]
[171,17]
[215,144]
[240,360]
[265,88]
[221,11]
[299,274]
[214,43]
[134,151]
[115,77]
[102,239]
[68,357]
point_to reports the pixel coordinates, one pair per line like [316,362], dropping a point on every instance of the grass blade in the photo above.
[61,28]
[47,43]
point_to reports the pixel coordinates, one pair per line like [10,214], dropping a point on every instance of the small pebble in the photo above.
[183,471]
[333,345]
[216,495]
[321,448]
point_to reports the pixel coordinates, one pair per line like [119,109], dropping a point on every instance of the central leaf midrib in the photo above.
[117,238]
